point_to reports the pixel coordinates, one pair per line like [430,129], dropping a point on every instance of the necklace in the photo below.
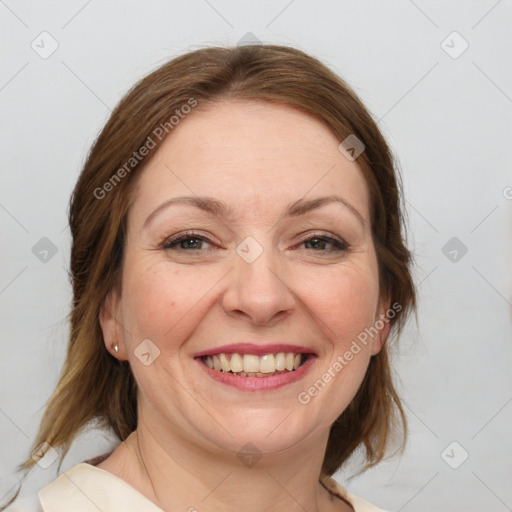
[141,459]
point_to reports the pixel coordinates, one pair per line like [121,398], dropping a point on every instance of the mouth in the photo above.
[256,367]
[253,365]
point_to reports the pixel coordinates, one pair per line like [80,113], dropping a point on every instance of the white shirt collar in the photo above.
[86,488]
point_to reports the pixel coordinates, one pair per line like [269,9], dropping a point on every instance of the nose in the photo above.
[258,291]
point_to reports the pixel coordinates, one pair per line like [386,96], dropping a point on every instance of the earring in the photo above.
[116,348]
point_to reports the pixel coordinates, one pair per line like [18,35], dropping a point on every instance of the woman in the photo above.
[238,265]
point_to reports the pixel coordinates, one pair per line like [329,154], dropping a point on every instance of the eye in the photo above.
[189,241]
[325,243]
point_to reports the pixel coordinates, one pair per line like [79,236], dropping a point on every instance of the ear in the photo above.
[111,325]
[382,323]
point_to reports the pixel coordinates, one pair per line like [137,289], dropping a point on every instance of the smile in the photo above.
[252,365]
[276,369]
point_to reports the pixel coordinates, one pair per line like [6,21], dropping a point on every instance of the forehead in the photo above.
[254,155]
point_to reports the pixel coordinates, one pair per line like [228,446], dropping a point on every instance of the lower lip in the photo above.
[259,383]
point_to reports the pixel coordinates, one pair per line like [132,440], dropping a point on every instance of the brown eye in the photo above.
[319,243]
[186,242]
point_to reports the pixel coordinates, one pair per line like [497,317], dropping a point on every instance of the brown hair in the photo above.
[94,386]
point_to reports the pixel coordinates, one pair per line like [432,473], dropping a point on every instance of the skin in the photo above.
[258,158]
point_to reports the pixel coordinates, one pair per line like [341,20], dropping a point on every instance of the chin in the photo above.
[263,433]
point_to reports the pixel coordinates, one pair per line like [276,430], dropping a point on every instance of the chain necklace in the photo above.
[141,459]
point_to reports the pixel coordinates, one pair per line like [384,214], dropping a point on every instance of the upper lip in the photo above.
[251,348]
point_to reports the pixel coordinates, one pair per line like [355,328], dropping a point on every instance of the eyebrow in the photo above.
[221,209]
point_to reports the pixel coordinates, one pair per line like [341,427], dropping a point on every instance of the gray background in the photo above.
[446,114]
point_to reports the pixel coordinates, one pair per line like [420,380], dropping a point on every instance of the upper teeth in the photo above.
[251,363]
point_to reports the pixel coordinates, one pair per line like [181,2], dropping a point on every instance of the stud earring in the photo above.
[116,348]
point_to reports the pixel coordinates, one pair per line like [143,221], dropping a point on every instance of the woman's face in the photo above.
[272,266]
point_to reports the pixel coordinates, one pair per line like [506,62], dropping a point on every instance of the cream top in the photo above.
[87,488]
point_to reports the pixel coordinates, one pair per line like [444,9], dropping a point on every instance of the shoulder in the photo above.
[84,484]
[29,503]
[358,504]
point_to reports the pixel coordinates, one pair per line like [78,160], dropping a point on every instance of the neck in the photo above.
[177,476]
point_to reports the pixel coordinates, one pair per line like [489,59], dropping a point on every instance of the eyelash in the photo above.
[170,244]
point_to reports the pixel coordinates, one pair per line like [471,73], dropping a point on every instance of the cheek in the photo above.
[346,302]
[159,302]
[345,306]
